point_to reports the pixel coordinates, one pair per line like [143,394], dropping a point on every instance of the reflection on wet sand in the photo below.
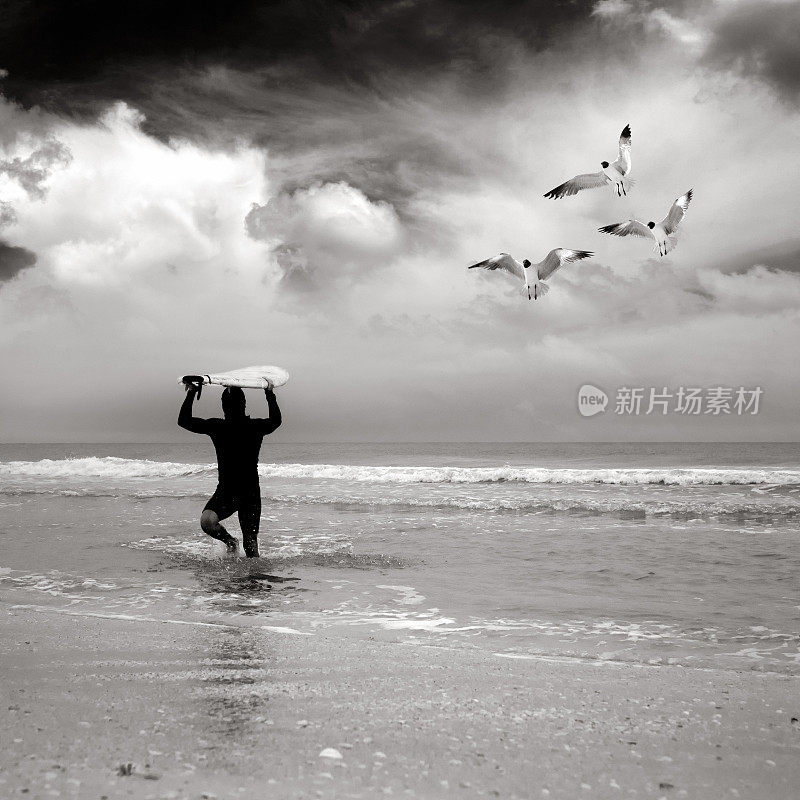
[231,695]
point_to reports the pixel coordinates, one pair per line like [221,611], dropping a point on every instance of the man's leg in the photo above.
[216,509]
[249,519]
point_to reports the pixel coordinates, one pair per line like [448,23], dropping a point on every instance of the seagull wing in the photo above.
[623,163]
[591,180]
[503,262]
[677,212]
[630,228]
[557,258]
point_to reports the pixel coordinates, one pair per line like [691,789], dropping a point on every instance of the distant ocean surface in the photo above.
[667,555]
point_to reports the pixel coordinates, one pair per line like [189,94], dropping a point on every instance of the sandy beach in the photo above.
[205,711]
[397,400]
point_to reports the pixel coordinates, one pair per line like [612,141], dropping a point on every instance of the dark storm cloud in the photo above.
[759,39]
[783,256]
[380,138]
[74,57]
[13,260]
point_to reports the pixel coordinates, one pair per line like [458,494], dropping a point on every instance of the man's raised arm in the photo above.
[274,420]
[185,418]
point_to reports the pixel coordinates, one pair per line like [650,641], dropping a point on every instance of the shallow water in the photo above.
[651,554]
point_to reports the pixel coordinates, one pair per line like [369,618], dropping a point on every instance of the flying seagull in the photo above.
[542,271]
[662,232]
[616,173]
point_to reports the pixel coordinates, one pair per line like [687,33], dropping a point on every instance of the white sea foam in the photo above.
[159,620]
[55,583]
[504,474]
[100,467]
[409,596]
[122,468]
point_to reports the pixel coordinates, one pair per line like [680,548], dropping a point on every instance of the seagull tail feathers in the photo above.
[541,289]
[670,243]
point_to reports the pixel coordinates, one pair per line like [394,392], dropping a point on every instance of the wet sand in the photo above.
[226,712]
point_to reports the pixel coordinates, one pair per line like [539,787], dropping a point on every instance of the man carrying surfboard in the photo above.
[237,440]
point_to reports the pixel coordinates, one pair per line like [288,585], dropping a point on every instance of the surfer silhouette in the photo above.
[237,439]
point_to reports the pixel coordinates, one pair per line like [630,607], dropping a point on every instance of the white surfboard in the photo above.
[245,378]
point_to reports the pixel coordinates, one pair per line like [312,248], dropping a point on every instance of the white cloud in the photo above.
[332,228]
[128,207]
[682,30]
[26,171]
[610,8]
[687,29]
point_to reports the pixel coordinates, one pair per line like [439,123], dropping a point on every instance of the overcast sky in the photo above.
[304,184]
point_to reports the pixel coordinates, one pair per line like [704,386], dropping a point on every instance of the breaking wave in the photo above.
[111,467]
[101,467]
[669,477]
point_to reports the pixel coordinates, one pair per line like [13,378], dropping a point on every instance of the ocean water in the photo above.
[665,555]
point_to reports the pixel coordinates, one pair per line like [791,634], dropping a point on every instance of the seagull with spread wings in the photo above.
[662,232]
[541,271]
[615,174]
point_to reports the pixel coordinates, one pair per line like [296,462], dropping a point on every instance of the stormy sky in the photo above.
[190,187]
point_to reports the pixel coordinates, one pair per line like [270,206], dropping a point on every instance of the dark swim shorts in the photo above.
[248,503]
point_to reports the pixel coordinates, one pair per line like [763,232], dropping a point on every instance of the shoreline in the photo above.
[242,712]
[383,637]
